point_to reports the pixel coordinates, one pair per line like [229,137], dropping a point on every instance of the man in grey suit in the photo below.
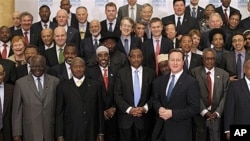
[132,10]
[213,84]
[34,100]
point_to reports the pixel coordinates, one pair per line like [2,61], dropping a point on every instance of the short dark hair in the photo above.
[44,6]
[217,31]
[176,50]
[174,1]
[235,13]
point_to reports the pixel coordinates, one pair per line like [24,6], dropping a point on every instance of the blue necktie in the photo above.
[238,65]
[110,27]
[137,89]
[126,46]
[170,87]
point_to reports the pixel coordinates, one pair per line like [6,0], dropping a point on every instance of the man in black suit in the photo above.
[194,10]
[156,45]
[132,10]
[82,24]
[176,98]
[106,75]
[16,21]
[5,43]
[132,93]
[89,44]
[237,104]
[184,23]
[44,13]
[79,107]
[245,23]
[146,14]
[170,31]
[63,71]
[111,23]
[29,34]
[140,31]
[127,41]
[47,36]
[6,107]
[225,10]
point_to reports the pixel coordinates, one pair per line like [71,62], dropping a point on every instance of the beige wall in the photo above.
[6,9]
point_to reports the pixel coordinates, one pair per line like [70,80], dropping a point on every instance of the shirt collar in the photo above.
[81,79]
[139,69]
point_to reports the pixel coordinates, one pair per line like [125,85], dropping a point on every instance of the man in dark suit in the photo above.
[156,45]
[233,62]
[132,10]
[170,31]
[34,102]
[44,13]
[111,23]
[79,107]
[90,44]
[29,34]
[127,41]
[176,98]
[63,71]
[82,24]
[47,36]
[6,107]
[245,23]
[106,75]
[213,84]
[146,14]
[237,104]
[65,4]
[183,22]
[16,21]
[194,10]
[5,43]
[10,71]
[225,10]
[132,93]
[140,31]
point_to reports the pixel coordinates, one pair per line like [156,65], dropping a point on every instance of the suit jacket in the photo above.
[200,12]
[73,36]
[123,11]
[33,115]
[87,48]
[72,22]
[188,23]
[10,71]
[7,108]
[221,82]
[149,53]
[79,110]
[221,12]
[237,104]
[228,62]
[124,97]
[38,26]
[22,71]
[51,56]
[87,32]
[59,71]
[116,30]
[184,103]
[135,43]
[196,60]
[245,23]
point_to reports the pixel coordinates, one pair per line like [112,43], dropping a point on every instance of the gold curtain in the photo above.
[7,7]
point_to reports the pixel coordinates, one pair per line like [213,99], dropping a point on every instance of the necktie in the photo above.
[157,52]
[61,57]
[45,25]
[194,12]
[209,86]
[1,114]
[95,43]
[178,27]
[78,83]
[4,52]
[82,33]
[105,78]
[132,13]
[110,27]
[26,37]
[136,86]
[170,87]
[238,66]
[226,16]
[186,60]
[148,30]
[40,87]
[126,46]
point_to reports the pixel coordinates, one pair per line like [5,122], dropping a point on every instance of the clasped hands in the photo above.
[137,111]
[211,116]
[109,113]
[165,113]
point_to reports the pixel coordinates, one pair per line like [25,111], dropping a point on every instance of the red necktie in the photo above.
[226,16]
[157,52]
[105,78]
[26,37]
[209,86]
[4,52]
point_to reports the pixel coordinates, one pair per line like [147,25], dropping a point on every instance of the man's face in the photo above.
[170,31]
[60,36]
[135,58]
[110,44]
[126,28]
[47,36]
[103,59]
[78,69]
[226,3]
[132,2]
[186,44]
[248,40]
[65,4]
[175,62]
[238,42]
[139,30]
[218,41]
[5,34]
[246,69]
[111,12]
[163,67]
[209,59]
[37,67]
[215,22]
[156,28]
[194,2]
[81,15]
[44,14]
[16,19]
[95,28]
[146,13]
[62,18]
[69,54]
[234,21]
[26,22]
[179,8]
[30,52]
[2,74]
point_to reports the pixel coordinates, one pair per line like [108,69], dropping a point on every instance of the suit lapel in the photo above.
[144,84]
[177,86]
[6,99]
[244,87]
[33,87]
[64,72]
[130,82]
[46,85]
[163,87]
